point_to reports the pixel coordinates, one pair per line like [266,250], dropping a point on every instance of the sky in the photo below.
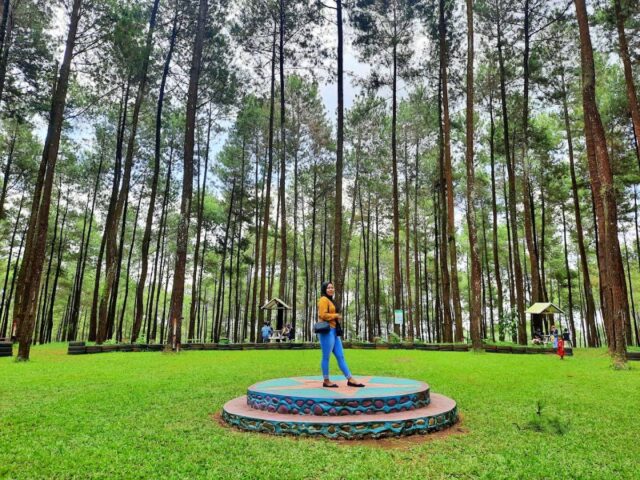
[355,71]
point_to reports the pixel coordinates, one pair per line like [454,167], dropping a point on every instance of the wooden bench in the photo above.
[277,336]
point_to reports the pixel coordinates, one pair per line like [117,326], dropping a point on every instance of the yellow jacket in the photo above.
[327,311]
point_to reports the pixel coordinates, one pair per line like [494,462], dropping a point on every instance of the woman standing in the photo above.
[330,341]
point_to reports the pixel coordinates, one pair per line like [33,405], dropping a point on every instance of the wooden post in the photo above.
[174,334]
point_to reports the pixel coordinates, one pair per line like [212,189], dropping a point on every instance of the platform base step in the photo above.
[441,413]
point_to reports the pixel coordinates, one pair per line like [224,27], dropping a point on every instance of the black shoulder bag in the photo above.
[321,327]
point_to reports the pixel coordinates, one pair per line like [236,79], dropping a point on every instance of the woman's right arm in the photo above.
[323,311]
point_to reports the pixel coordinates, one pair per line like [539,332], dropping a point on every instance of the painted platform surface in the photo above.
[307,396]
[441,413]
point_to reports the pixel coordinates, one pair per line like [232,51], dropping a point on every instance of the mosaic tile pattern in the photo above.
[378,428]
[306,396]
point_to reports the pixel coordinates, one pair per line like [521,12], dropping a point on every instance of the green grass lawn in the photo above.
[148,415]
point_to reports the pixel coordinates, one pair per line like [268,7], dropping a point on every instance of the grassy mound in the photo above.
[148,415]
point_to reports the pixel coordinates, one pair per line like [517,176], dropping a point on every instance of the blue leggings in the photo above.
[329,342]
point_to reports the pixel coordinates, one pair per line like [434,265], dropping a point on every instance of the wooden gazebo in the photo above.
[280,307]
[541,310]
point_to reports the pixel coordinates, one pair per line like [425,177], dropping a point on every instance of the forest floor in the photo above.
[150,415]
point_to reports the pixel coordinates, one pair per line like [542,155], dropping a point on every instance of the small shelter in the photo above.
[541,310]
[280,307]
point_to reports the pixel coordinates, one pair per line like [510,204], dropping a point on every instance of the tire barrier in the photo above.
[519,349]
[6,349]
[79,348]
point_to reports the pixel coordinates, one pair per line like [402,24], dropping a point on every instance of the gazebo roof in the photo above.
[275,304]
[544,308]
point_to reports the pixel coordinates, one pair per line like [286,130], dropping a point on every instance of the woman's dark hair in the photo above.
[323,290]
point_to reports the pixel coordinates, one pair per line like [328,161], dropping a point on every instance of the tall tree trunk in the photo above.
[323,243]
[228,332]
[14,276]
[182,240]
[239,221]
[347,251]
[146,237]
[489,284]
[259,198]
[163,323]
[195,294]
[7,170]
[307,275]
[517,268]
[220,296]
[337,229]
[111,312]
[274,254]
[450,227]
[31,268]
[245,311]
[475,312]
[590,308]
[127,276]
[76,295]
[162,240]
[621,8]
[427,306]
[56,277]
[112,265]
[378,288]
[438,311]
[283,162]
[636,218]
[294,299]
[365,252]
[633,306]
[314,204]
[6,27]
[566,266]
[407,252]
[416,252]
[44,293]
[494,212]
[370,261]
[637,242]
[543,236]
[152,312]
[4,18]
[444,283]
[397,277]
[529,219]
[510,267]
[615,305]
[601,273]
[583,328]
[3,318]
[93,321]
[203,329]
[267,197]
[357,299]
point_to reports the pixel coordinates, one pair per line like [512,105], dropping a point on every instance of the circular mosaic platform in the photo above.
[387,406]
[307,396]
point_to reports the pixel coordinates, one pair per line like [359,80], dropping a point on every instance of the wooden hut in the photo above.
[542,316]
[280,307]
